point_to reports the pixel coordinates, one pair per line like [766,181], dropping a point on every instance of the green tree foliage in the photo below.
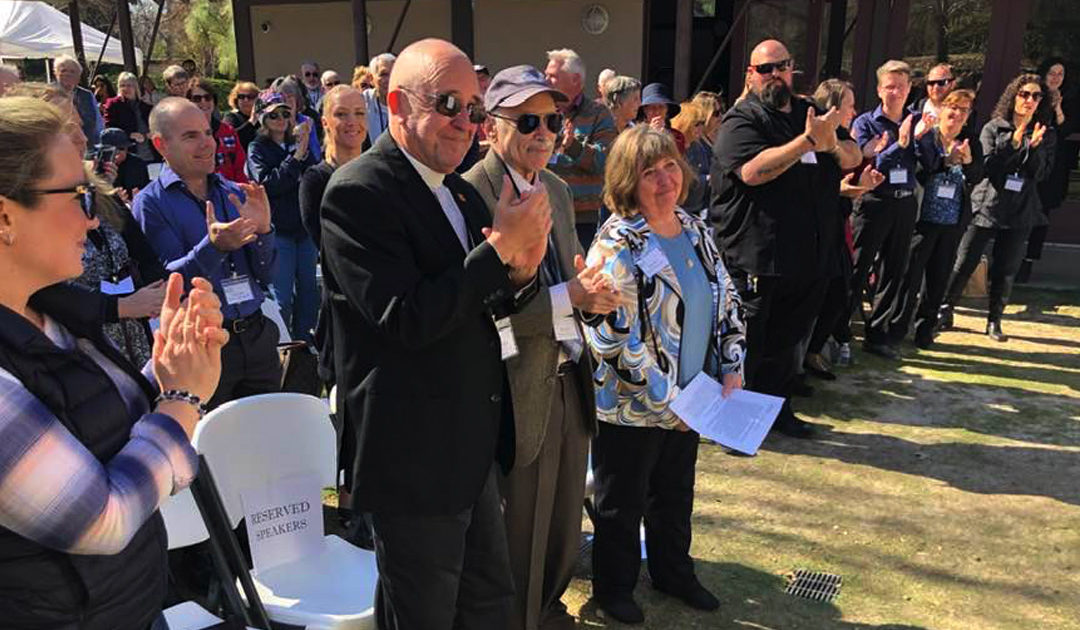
[211,42]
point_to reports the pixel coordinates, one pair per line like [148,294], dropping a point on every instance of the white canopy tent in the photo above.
[35,30]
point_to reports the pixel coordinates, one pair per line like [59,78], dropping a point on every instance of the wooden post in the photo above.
[127,36]
[245,44]
[76,37]
[359,24]
[1008,21]
[834,52]
[684,39]
[811,62]
[461,27]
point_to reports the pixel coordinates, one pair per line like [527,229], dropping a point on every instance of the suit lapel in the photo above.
[419,197]
[476,214]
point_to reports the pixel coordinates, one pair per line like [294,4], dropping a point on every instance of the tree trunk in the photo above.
[942,8]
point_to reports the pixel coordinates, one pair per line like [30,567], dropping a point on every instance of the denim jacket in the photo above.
[637,345]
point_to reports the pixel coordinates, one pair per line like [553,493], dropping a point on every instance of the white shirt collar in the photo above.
[523,185]
[431,178]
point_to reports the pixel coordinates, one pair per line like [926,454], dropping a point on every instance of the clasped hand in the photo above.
[187,345]
[254,220]
[822,129]
[592,291]
[520,227]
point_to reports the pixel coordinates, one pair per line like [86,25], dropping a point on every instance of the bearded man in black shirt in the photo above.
[775,186]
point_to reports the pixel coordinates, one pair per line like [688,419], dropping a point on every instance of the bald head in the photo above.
[165,113]
[770,50]
[425,77]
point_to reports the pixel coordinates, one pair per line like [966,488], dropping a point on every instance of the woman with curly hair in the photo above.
[1018,153]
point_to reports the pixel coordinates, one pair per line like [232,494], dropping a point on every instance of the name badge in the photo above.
[809,158]
[237,290]
[947,191]
[566,329]
[652,261]
[122,287]
[898,176]
[1015,183]
[506,338]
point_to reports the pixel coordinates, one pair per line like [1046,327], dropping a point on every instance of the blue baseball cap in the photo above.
[515,85]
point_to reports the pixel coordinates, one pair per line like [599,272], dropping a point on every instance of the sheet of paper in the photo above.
[284,520]
[740,422]
[809,158]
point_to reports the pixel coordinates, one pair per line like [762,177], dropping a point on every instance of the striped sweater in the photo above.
[582,164]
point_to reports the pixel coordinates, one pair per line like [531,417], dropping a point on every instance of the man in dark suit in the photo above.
[422,280]
[551,379]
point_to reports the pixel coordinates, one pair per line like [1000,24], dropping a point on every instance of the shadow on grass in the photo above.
[749,598]
[980,468]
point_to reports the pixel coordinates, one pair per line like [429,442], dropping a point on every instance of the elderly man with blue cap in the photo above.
[550,378]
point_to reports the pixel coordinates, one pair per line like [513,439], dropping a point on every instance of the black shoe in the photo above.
[621,608]
[815,365]
[924,342]
[993,330]
[945,318]
[882,350]
[1024,273]
[791,426]
[694,595]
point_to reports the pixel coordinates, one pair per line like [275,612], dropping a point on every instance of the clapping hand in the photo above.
[232,235]
[927,122]
[187,345]
[520,227]
[904,139]
[869,179]
[567,136]
[302,132]
[256,206]
[1037,134]
[960,153]
[822,129]
[592,291]
[876,145]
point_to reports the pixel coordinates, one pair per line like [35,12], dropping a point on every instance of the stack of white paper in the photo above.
[740,422]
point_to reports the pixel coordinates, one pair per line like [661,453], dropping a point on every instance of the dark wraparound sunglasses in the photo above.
[528,123]
[84,192]
[246,97]
[450,106]
[940,82]
[278,113]
[1035,96]
[768,68]
[198,98]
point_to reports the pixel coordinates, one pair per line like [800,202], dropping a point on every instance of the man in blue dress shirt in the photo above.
[201,224]
[885,219]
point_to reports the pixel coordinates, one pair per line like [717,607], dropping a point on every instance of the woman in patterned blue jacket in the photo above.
[680,316]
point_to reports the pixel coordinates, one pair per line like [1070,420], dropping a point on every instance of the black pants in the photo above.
[250,363]
[779,314]
[933,254]
[444,572]
[1009,247]
[1038,238]
[640,473]
[883,227]
[834,316]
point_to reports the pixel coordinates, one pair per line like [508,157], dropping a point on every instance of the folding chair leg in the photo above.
[224,547]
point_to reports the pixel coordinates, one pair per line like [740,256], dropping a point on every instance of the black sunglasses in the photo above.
[311,74]
[198,98]
[768,68]
[85,193]
[940,82]
[528,123]
[278,113]
[246,97]
[1035,96]
[450,106]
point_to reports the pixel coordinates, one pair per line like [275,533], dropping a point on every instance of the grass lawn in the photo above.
[945,492]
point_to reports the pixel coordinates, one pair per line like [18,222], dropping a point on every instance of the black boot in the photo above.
[945,317]
[993,330]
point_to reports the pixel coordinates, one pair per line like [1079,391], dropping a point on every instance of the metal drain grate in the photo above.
[822,587]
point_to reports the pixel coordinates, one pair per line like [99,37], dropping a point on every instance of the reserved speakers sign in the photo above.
[284,520]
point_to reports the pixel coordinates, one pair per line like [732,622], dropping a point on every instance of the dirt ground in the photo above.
[944,492]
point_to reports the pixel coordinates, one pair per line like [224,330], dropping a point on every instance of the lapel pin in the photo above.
[461,197]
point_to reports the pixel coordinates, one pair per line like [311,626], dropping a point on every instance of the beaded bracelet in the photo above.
[181,395]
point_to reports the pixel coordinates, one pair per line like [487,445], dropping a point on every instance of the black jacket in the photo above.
[993,204]
[276,168]
[45,588]
[417,354]
[973,172]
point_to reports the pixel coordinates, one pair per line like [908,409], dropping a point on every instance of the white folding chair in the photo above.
[255,440]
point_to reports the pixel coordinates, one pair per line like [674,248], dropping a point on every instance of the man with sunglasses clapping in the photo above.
[422,280]
[550,380]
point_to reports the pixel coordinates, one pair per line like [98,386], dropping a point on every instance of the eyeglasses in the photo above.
[768,68]
[311,74]
[957,108]
[450,106]
[278,113]
[528,123]
[85,194]
[246,97]
[199,98]
[1025,95]
[940,82]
